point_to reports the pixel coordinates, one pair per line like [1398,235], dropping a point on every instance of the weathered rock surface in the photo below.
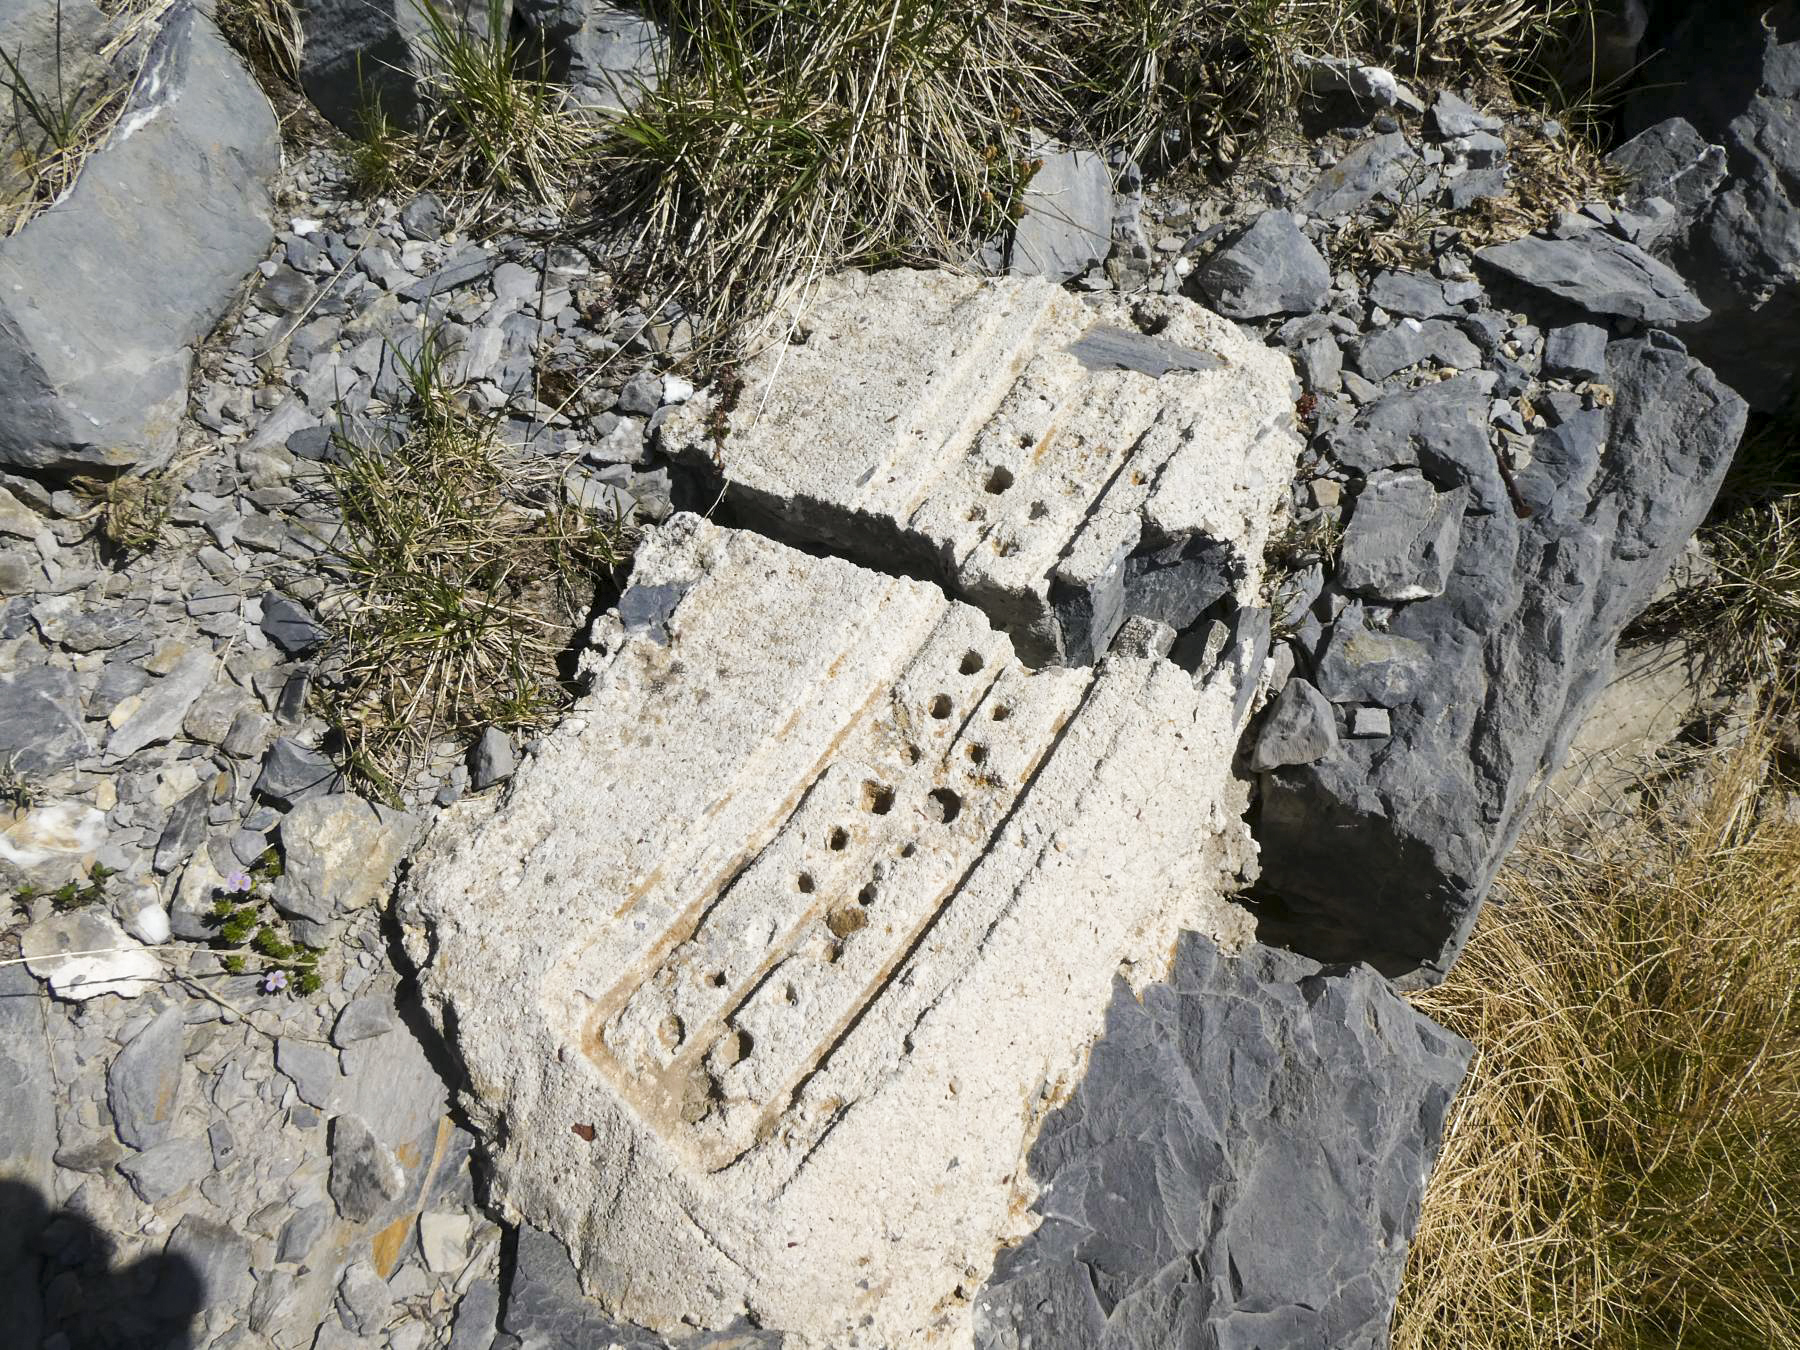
[1734,77]
[103,298]
[1601,273]
[1271,268]
[841,893]
[1006,439]
[608,55]
[1066,220]
[1228,1173]
[360,52]
[1485,683]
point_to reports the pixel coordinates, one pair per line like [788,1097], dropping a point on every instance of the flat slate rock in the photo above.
[1601,273]
[797,911]
[1242,1166]
[1270,268]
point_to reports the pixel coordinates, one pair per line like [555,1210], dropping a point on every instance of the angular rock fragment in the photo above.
[1066,224]
[988,435]
[1366,171]
[102,298]
[1384,850]
[1271,268]
[1401,540]
[1271,1207]
[1409,342]
[810,904]
[1601,273]
[1299,728]
[609,55]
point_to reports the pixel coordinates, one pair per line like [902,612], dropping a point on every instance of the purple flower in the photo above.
[238,881]
[274,982]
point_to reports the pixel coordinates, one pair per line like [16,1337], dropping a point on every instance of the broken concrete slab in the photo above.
[828,929]
[992,436]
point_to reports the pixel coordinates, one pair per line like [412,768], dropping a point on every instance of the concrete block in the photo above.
[1062,464]
[775,957]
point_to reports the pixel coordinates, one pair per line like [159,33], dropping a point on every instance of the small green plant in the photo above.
[245,920]
[71,894]
[464,575]
[17,787]
[381,153]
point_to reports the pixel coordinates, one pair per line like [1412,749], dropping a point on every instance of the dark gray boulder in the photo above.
[1384,850]
[1736,79]
[363,53]
[1271,268]
[609,55]
[40,720]
[103,298]
[1242,1165]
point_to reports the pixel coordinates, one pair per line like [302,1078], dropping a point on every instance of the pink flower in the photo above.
[238,881]
[274,982]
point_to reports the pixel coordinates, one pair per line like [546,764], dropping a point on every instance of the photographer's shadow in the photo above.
[61,1289]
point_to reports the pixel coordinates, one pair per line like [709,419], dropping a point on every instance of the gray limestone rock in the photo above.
[27,1147]
[364,1173]
[1441,427]
[1067,223]
[313,1067]
[1673,161]
[218,1256]
[1300,727]
[339,852]
[185,829]
[1402,537]
[363,1299]
[1274,1207]
[1452,116]
[1366,171]
[164,703]
[609,55]
[1386,850]
[1576,352]
[143,1083]
[491,760]
[546,1308]
[40,720]
[477,1317]
[290,625]
[291,773]
[368,1014]
[103,298]
[1601,273]
[1391,349]
[1417,295]
[1731,74]
[167,1169]
[356,51]
[1362,664]
[1271,268]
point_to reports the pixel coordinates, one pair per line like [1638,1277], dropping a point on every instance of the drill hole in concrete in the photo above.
[877,798]
[715,979]
[941,707]
[866,896]
[838,840]
[977,753]
[971,663]
[998,481]
[907,850]
[845,921]
[1039,511]
[805,882]
[1001,712]
[946,806]
[910,753]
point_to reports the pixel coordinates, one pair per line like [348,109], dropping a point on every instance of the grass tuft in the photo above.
[1620,1167]
[465,579]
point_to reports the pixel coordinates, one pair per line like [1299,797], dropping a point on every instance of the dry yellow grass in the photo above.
[1622,1168]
